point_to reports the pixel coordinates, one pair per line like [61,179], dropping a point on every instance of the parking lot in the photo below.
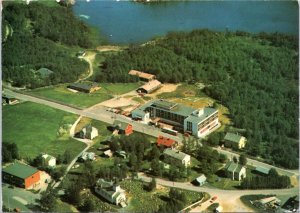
[14,197]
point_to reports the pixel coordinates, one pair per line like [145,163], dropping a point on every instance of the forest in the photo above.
[39,36]
[254,75]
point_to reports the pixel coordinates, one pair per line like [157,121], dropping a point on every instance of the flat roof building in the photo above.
[199,122]
[21,175]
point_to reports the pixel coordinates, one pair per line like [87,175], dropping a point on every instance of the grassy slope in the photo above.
[34,129]
[62,94]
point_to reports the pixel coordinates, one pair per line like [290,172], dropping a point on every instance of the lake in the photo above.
[124,22]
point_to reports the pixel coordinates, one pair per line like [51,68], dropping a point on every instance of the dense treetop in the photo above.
[254,75]
[37,36]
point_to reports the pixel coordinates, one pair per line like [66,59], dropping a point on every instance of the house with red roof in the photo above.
[166,142]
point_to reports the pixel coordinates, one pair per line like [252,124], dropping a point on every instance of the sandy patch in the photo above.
[108,48]
[118,102]
[164,88]
[72,90]
[294,181]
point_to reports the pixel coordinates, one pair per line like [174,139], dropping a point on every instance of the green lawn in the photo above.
[119,88]
[60,93]
[141,200]
[35,129]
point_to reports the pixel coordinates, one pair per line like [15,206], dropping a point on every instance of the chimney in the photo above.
[200,112]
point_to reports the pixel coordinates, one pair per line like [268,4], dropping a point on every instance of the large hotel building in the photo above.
[198,122]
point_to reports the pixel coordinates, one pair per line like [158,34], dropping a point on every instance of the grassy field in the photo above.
[37,128]
[62,94]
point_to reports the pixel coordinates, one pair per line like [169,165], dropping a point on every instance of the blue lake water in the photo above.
[124,22]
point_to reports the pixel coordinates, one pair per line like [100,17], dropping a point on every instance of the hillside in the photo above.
[254,75]
[42,36]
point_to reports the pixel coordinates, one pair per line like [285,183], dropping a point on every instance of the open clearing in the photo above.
[62,94]
[35,129]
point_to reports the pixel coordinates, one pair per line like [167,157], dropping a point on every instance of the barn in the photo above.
[149,87]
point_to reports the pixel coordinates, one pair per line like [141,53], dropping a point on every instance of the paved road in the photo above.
[70,166]
[225,197]
[100,113]
[18,198]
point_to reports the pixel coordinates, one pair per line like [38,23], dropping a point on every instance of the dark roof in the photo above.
[84,86]
[20,170]
[120,124]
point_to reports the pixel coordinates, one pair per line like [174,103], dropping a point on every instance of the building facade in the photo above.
[183,118]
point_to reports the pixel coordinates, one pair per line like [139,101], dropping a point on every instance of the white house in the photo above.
[111,192]
[88,156]
[49,160]
[177,157]
[88,132]
[201,179]
[235,171]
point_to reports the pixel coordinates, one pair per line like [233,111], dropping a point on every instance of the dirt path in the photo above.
[165,88]
[109,48]
[89,57]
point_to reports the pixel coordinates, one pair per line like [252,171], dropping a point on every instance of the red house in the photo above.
[124,128]
[166,142]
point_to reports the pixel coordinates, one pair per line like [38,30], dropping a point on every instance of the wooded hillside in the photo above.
[255,76]
[36,36]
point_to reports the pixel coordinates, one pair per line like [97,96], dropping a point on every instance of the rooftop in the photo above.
[85,86]
[233,167]
[20,170]
[121,124]
[204,113]
[151,85]
[201,178]
[262,170]
[233,137]
[45,72]
[175,154]
[141,74]
[161,140]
